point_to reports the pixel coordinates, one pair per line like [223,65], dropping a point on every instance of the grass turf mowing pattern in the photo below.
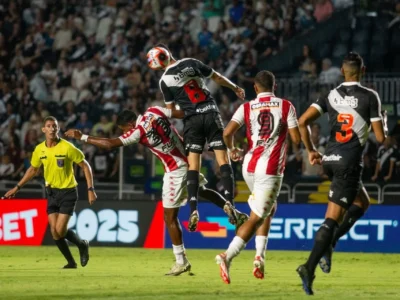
[132,273]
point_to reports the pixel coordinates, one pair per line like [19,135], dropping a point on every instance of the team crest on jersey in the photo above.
[60,163]
[261,105]
[347,101]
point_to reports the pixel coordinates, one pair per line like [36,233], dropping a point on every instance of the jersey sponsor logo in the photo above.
[189,71]
[60,163]
[43,157]
[347,100]
[260,105]
[206,108]
[332,157]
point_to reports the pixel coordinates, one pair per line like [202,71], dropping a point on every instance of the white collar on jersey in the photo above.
[351,83]
[265,94]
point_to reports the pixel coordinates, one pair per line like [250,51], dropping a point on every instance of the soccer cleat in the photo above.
[241,219]
[325,263]
[70,266]
[84,253]
[231,212]
[258,270]
[193,220]
[178,269]
[224,266]
[306,278]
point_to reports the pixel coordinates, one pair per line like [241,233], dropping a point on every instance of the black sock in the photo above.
[350,218]
[73,238]
[193,189]
[64,249]
[323,240]
[228,182]
[212,196]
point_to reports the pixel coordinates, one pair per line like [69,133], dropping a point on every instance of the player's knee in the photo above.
[169,219]
[54,233]
[61,231]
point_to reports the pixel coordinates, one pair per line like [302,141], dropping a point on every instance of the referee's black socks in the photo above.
[64,249]
[73,238]
[193,189]
[354,213]
[228,182]
[323,240]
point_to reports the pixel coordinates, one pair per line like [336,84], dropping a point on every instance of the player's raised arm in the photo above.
[311,114]
[222,80]
[104,143]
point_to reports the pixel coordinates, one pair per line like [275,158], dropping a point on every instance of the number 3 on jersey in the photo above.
[194,92]
[346,133]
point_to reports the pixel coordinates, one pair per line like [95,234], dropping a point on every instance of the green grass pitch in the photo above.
[132,273]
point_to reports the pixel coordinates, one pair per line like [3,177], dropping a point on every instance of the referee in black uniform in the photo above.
[57,157]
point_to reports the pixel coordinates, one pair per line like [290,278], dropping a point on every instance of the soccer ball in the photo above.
[158,58]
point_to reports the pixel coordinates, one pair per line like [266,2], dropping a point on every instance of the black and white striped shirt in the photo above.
[351,108]
[183,83]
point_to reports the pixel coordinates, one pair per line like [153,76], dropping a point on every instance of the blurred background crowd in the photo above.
[85,61]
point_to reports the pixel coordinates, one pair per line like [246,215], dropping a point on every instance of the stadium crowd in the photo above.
[85,61]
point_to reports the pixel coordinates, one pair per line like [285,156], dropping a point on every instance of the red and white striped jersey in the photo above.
[154,131]
[267,119]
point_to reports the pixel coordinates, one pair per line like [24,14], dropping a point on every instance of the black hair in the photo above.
[126,117]
[354,60]
[265,79]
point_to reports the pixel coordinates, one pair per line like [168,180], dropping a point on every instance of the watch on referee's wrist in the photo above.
[91,189]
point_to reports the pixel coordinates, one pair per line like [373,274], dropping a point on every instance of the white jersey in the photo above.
[154,131]
[267,119]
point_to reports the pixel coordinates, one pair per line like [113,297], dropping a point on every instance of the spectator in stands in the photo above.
[6,167]
[305,62]
[205,35]
[386,161]
[329,73]
[84,124]
[236,11]
[323,9]
[213,8]
[104,125]
[307,19]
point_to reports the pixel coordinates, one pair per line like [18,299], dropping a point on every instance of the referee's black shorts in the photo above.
[202,128]
[346,182]
[61,201]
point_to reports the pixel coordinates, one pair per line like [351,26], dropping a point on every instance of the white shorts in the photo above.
[174,191]
[264,192]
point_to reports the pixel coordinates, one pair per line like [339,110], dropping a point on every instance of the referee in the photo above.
[57,157]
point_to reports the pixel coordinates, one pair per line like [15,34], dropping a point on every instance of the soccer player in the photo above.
[57,157]
[352,110]
[183,84]
[153,130]
[268,120]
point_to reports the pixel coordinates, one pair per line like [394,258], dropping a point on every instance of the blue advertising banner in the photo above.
[294,227]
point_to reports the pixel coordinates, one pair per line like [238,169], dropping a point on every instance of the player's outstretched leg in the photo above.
[354,213]
[323,240]
[219,201]
[237,245]
[174,228]
[261,242]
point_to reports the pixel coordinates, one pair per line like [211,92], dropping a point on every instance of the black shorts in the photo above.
[346,183]
[61,201]
[202,128]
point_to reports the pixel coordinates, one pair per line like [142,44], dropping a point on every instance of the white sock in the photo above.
[179,252]
[235,247]
[261,245]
